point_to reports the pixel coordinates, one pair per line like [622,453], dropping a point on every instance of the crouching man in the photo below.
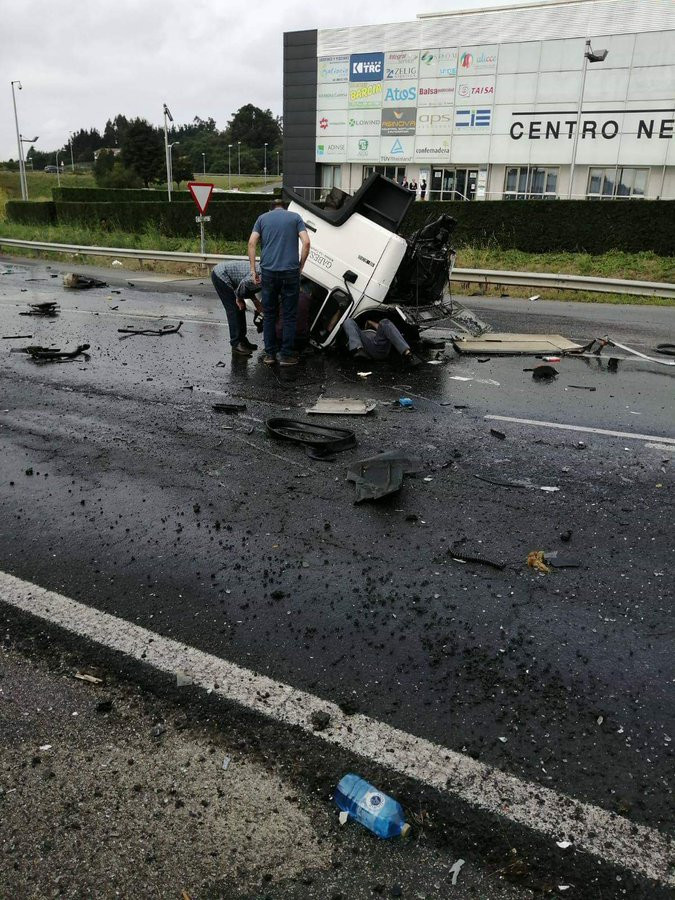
[376,340]
[233,284]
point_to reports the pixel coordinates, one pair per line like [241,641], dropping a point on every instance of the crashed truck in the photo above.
[359,266]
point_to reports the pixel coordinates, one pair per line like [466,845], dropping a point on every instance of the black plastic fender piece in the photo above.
[325,438]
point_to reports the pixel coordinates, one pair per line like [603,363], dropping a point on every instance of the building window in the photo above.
[530,183]
[616,183]
[331,176]
[395,173]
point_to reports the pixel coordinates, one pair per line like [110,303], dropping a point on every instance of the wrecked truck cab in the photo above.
[359,266]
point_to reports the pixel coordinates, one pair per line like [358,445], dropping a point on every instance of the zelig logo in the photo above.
[466,60]
[323,123]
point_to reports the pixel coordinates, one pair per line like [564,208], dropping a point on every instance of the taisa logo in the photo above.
[323,123]
[466,60]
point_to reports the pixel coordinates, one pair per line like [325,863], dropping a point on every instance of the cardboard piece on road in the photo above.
[504,344]
[342,406]
[201,194]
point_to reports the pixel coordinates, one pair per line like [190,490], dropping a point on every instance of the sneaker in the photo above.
[286,361]
[241,349]
[247,343]
[410,361]
[359,353]
[269,359]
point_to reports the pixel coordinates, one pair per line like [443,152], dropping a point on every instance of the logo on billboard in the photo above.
[364,93]
[320,149]
[399,121]
[428,58]
[363,146]
[366,66]
[468,90]
[397,95]
[466,60]
[447,62]
[396,148]
[473,118]
[323,123]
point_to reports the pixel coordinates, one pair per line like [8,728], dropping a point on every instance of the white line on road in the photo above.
[628,435]
[603,834]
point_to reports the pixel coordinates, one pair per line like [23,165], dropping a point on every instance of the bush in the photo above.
[231,221]
[31,212]
[141,195]
[538,226]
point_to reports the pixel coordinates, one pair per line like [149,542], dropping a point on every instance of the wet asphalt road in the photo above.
[145,503]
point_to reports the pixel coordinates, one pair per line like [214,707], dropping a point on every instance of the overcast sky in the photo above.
[83,61]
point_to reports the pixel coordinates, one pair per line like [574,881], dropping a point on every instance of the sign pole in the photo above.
[201,194]
[201,230]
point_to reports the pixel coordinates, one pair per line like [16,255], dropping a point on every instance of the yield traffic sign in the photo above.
[201,194]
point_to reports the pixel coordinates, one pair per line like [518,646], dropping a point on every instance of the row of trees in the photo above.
[130,152]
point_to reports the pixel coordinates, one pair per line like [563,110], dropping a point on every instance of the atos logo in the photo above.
[398,94]
[366,66]
[466,60]
[323,123]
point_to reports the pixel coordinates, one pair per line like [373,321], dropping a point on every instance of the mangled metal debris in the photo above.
[320,441]
[155,332]
[75,282]
[48,310]
[53,354]
[595,348]
[381,475]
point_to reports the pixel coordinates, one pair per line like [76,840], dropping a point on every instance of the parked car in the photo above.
[51,170]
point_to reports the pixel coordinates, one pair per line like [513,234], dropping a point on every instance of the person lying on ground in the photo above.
[376,340]
[228,277]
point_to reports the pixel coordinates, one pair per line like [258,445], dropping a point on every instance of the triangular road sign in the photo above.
[201,194]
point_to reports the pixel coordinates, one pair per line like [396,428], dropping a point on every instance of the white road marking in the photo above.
[627,435]
[603,834]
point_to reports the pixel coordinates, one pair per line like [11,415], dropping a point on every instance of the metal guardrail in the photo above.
[483,277]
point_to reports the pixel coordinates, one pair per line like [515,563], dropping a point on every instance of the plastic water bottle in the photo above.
[378,812]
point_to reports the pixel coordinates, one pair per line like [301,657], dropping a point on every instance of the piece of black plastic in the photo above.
[327,438]
[228,407]
[381,475]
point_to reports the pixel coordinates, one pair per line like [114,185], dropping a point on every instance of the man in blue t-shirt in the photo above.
[280,267]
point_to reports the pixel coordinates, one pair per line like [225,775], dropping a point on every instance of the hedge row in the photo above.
[138,195]
[539,226]
[533,226]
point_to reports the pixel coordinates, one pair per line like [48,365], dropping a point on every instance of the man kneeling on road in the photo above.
[376,340]
[233,284]
[280,267]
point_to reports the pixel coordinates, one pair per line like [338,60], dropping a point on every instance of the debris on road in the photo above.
[52,354]
[341,406]
[563,844]
[582,387]
[535,560]
[16,337]
[226,763]
[596,346]
[322,439]
[455,870]
[381,475]
[228,407]
[543,373]
[480,560]
[75,282]
[495,432]
[374,810]
[48,310]
[183,679]
[155,332]
[553,558]
[515,344]
[406,402]
[319,720]
[90,679]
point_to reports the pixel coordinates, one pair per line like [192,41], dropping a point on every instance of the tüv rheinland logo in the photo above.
[366,66]
[396,148]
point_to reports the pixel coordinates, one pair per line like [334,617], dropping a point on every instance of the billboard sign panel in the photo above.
[399,121]
[365,96]
[331,150]
[476,90]
[401,65]
[332,68]
[439,92]
[363,149]
[473,119]
[366,66]
[332,96]
[401,93]
[434,120]
[364,123]
[477,60]
[428,67]
[429,149]
[397,149]
[331,122]
[447,62]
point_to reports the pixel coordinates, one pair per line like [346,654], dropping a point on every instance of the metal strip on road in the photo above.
[588,429]
[474,276]
[606,836]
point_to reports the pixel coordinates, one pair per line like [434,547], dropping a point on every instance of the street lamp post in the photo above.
[239,157]
[58,170]
[265,166]
[22,141]
[204,163]
[593,57]
[22,171]
[229,166]
[72,161]
[277,163]
[171,146]
[167,117]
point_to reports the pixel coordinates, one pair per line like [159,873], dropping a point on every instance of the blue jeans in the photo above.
[236,318]
[280,289]
[376,344]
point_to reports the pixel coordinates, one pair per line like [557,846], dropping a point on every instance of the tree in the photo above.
[103,166]
[115,131]
[143,151]
[254,126]
[119,177]
[182,170]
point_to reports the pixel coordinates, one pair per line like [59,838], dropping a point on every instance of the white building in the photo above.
[505,102]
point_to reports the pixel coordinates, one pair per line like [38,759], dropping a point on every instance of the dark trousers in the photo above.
[280,289]
[376,344]
[236,318]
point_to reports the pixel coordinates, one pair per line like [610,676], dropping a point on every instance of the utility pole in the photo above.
[22,169]
[167,151]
